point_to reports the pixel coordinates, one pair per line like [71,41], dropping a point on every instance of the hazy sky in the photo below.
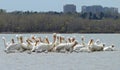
[53,5]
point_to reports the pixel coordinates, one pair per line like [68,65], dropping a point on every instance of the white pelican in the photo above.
[79,46]
[25,45]
[95,47]
[91,46]
[40,39]
[46,40]
[85,49]
[46,46]
[42,47]
[66,46]
[56,41]
[70,46]
[109,48]
[5,43]
[13,47]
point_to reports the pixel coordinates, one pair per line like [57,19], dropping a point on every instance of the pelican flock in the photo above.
[60,44]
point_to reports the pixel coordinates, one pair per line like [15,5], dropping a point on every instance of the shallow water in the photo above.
[108,60]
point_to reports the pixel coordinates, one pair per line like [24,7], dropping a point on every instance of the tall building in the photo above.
[110,10]
[69,8]
[92,9]
[98,8]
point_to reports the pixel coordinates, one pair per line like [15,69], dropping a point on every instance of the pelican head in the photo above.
[36,42]
[47,40]
[63,38]
[12,40]
[103,45]
[28,42]
[40,39]
[98,41]
[75,43]
[21,39]
[3,38]
[58,37]
[54,37]
[91,42]
[73,38]
[54,34]
[33,37]
[112,46]
[17,36]
[69,40]
[82,38]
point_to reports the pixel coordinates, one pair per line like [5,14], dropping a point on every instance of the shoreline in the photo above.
[51,33]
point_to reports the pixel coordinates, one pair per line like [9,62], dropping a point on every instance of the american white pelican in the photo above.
[42,47]
[25,45]
[5,43]
[95,47]
[56,41]
[13,47]
[67,46]
[85,49]
[109,48]
[46,40]
[46,45]
[79,46]
[40,39]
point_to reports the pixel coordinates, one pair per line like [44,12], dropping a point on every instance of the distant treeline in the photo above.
[27,21]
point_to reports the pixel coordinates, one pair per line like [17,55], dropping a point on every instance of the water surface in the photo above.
[63,61]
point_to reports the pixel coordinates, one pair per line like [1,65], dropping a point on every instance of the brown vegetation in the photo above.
[56,22]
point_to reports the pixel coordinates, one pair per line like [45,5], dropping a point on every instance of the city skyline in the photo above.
[54,5]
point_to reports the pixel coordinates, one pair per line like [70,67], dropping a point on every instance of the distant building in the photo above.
[110,10]
[69,8]
[98,8]
[92,9]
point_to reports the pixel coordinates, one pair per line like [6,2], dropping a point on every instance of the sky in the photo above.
[53,5]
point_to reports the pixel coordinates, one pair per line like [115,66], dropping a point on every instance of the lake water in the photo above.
[107,60]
